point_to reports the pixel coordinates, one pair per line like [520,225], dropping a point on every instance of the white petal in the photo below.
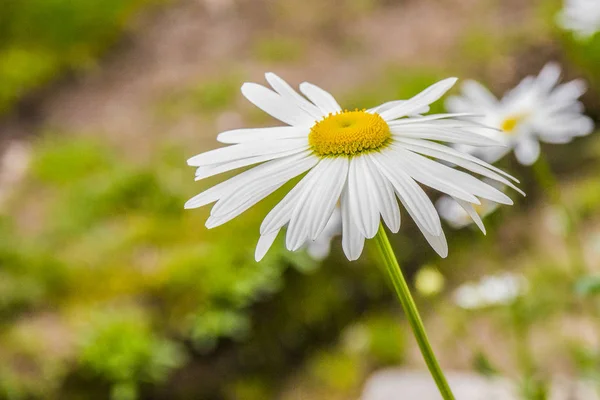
[264,244]
[432,117]
[271,133]
[548,77]
[443,134]
[215,169]
[460,179]
[449,154]
[246,150]
[286,91]
[281,173]
[276,105]
[437,242]
[226,187]
[426,97]
[364,206]
[425,175]
[388,205]
[217,220]
[478,94]
[463,160]
[311,215]
[319,250]
[391,104]
[527,150]
[326,195]
[412,196]
[323,99]
[281,213]
[468,207]
[568,92]
[353,241]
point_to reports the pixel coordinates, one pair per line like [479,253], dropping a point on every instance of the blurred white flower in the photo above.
[580,16]
[538,109]
[365,160]
[319,249]
[492,290]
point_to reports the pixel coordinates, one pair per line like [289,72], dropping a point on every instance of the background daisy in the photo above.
[538,109]
[580,16]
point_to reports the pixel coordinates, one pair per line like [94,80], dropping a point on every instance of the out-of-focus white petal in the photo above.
[527,150]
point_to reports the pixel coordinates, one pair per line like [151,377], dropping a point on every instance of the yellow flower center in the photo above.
[348,133]
[510,124]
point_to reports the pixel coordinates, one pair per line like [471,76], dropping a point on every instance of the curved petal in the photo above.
[286,91]
[276,105]
[323,99]
[411,195]
[527,150]
[264,244]
[426,97]
[353,241]
[364,205]
[271,133]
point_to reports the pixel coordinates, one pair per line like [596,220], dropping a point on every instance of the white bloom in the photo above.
[490,291]
[580,16]
[538,109]
[319,249]
[364,160]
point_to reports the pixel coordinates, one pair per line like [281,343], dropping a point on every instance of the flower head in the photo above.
[363,160]
[538,109]
[490,291]
[580,16]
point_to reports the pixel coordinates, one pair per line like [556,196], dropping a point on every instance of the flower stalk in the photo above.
[410,308]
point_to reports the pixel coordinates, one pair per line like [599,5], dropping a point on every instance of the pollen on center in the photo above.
[348,133]
[510,124]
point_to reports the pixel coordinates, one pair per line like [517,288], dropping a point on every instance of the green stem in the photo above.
[547,180]
[410,308]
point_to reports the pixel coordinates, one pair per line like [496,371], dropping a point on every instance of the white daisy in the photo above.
[364,160]
[538,109]
[580,16]
[490,291]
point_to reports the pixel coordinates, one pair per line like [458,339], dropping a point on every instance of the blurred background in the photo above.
[110,290]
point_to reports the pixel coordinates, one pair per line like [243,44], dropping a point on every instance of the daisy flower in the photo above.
[538,109]
[493,290]
[365,160]
[580,16]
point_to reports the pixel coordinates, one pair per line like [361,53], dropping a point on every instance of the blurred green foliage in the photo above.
[111,231]
[41,38]
[121,348]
